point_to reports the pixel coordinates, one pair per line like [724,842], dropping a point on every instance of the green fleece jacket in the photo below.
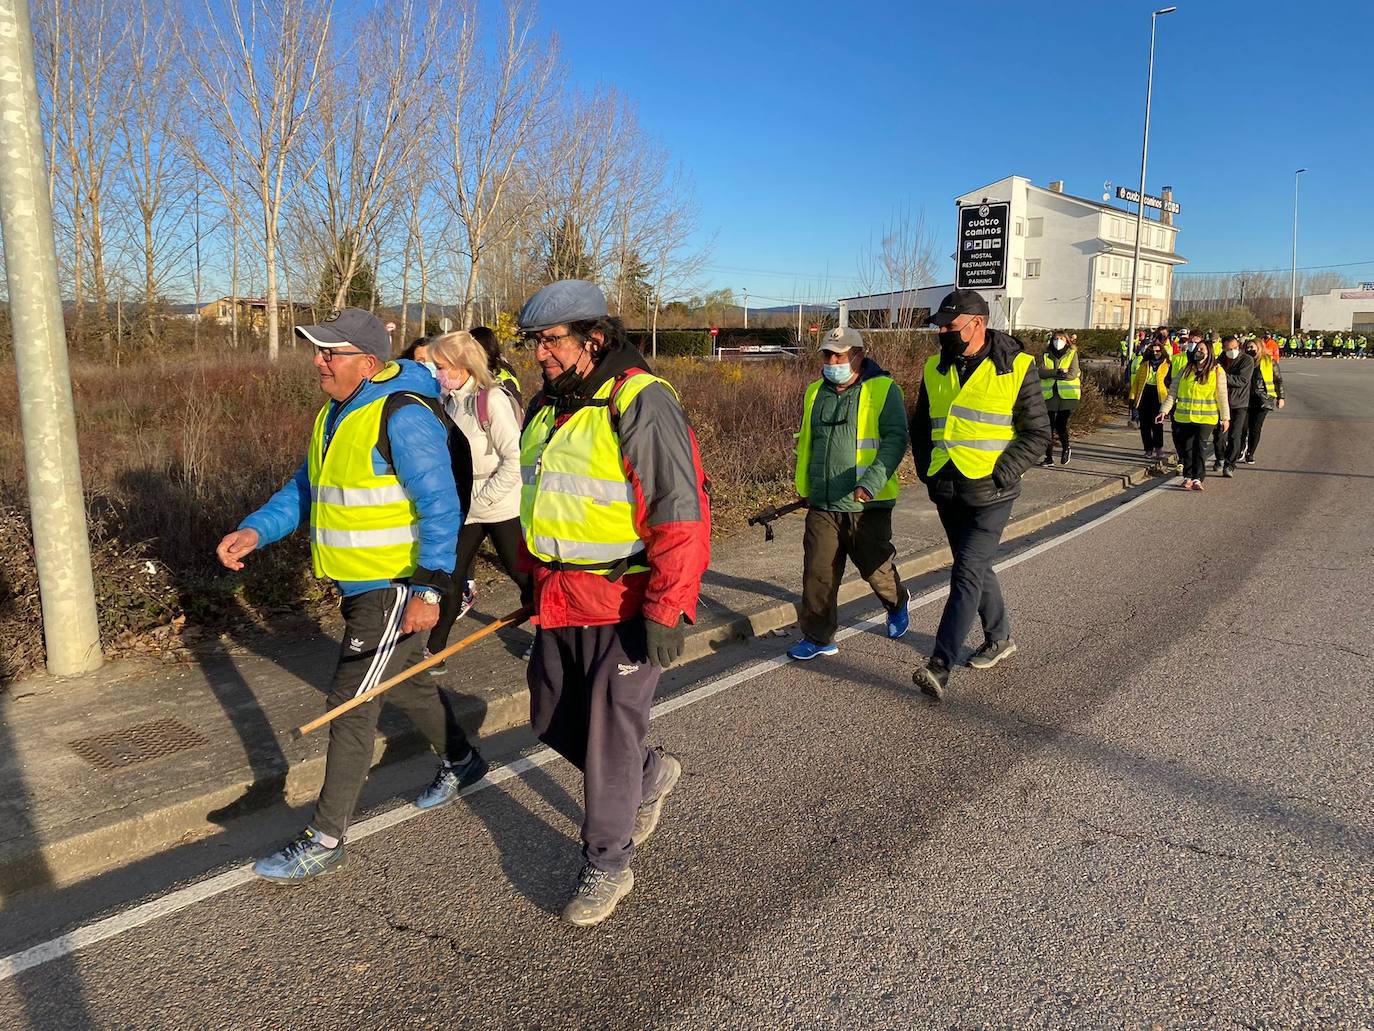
[830,474]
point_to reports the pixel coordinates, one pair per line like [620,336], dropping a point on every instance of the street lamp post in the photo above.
[1144,153]
[1293,290]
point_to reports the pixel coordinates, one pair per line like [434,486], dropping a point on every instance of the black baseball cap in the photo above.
[351,326]
[956,303]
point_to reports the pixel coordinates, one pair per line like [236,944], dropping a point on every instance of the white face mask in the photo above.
[1232,352]
[1059,343]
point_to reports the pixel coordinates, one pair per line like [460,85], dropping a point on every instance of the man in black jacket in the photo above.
[973,435]
[1240,372]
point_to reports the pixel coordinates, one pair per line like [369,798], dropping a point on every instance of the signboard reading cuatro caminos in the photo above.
[981,260]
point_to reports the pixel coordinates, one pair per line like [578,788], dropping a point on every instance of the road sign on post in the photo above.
[981,258]
[815,329]
[715,332]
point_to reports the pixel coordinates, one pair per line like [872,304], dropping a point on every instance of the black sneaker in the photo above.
[992,653]
[1064,455]
[1227,471]
[1249,460]
[1216,466]
[1047,461]
[931,679]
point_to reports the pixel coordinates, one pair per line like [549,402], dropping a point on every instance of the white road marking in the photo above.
[183,898]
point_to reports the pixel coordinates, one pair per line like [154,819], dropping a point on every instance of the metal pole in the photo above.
[1144,154]
[799,309]
[1293,294]
[61,546]
[746,309]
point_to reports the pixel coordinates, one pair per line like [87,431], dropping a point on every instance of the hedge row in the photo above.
[698,343]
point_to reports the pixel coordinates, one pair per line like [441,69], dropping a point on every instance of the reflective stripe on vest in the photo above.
[1267,371]
[363,525]
[1197,402]
[577,505]
[873,394]
[974,431]
[1069,389]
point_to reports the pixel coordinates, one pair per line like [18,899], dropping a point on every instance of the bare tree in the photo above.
[259,70]
[901,262]
[498,109]
[152,161]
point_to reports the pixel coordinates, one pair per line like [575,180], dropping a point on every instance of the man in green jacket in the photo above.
[853,435]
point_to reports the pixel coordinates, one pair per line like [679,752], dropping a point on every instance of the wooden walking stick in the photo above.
[514,619]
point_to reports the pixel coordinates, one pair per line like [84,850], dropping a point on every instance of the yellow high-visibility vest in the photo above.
[1197,402]
[872,399]
[971,423]
[1267,372]
[1069,389]
[577,506]
[363,524]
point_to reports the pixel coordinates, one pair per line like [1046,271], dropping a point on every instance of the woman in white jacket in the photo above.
[490,420]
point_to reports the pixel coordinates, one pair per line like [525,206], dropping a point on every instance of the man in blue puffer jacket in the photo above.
[377,490]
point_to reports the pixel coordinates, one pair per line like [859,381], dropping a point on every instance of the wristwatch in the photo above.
[429,597]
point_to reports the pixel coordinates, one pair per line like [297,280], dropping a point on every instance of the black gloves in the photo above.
[664,644]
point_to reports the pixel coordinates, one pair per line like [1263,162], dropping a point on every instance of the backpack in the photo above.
[484,410]
[460,455]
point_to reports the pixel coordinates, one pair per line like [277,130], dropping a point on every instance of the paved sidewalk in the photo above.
[215,731]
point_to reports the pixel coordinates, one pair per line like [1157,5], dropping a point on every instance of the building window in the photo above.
[224,311]
[1116,268]
[1117,317]
[1035,227]
[1032,268]
[1020,227]
[1147,272]
[1015,266]
[1098,311]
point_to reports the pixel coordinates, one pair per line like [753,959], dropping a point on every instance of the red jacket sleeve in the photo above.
[663,465]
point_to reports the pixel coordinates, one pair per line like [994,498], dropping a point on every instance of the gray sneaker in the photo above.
[646,819]
[992,653]
[597,893]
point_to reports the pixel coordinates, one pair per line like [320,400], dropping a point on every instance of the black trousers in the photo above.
[864,538]
[1151,433]
[591,689]
[1188,440]
[505,538]
[1059,425]
[1235,436]
[374,649]
[1253,429]
[974,533]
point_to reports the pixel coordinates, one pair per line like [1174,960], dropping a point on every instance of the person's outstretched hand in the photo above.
[236,547]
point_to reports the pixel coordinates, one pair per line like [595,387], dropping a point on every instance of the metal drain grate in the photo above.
[137,744]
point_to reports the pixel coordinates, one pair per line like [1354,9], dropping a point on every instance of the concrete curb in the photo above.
[141,834]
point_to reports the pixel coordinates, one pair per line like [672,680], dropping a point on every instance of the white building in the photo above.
[1346,310]
[1068,266]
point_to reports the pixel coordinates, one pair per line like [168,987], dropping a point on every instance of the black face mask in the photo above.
[1196,354]
[566,383]
[951,343]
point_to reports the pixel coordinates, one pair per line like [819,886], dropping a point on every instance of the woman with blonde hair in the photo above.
[490,420]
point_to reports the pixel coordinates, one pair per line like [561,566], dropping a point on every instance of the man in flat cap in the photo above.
[616,521]
[980,423]
[853,436]
[377,490]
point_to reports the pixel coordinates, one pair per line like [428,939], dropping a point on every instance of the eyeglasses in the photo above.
[328,354]
[535,339]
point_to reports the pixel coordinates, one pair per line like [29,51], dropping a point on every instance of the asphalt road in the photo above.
[1158,813]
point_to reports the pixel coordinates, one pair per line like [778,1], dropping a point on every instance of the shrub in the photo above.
[673,342]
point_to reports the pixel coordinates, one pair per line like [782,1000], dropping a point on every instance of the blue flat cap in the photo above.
[568,300]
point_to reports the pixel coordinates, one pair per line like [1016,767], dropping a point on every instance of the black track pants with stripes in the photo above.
[373,650]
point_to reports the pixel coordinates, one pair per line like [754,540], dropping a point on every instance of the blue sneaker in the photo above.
[898,622]
[805,650]
[449,780]
[302,860]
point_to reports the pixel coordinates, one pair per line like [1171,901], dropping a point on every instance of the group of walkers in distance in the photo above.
[594,498]
[1221,388]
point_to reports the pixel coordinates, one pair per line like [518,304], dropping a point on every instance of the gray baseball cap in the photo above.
[568,300]
[842,339]
[351,327]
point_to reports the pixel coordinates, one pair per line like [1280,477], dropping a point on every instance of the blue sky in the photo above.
[805,125]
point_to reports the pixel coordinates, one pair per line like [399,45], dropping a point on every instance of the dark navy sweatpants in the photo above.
[590,693]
